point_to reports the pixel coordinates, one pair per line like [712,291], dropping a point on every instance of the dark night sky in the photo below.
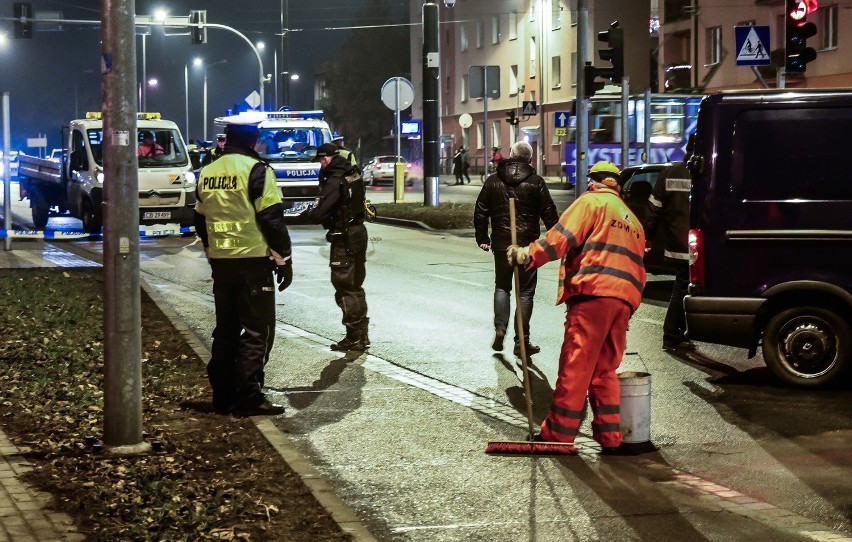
[55,76]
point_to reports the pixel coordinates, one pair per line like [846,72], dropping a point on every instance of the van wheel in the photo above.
[40,216]
[90,221]
[807,346]
[40,209]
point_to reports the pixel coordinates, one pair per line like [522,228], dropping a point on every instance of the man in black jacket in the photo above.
[515,178]
[340,209]
[668,209]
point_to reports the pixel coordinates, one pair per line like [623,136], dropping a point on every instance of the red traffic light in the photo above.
[802,8]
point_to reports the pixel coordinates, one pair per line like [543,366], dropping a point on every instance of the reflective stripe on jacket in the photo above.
[601,244]
[223,199]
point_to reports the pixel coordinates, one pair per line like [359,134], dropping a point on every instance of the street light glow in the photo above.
[153,82]
[198,62]
[260,46]
[160,15]
[294,76]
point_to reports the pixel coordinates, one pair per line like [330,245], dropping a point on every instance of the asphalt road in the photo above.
[400,433]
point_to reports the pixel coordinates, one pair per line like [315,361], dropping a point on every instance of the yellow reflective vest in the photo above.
[223,199]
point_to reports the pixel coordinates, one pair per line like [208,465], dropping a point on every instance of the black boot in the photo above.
[346,343]
[362,339]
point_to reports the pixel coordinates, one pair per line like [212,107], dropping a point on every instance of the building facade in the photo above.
[677,46]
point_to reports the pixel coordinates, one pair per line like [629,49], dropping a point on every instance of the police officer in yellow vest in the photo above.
[239,218]
[337,139]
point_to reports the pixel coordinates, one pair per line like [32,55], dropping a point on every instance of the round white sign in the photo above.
[397,90]
[465,120]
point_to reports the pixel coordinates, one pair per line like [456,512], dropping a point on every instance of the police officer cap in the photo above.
[336,137]
[326,149]
[220,137]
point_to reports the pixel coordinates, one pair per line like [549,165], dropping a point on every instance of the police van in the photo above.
[289,141]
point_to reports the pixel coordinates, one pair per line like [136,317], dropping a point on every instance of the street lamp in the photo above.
[200,62]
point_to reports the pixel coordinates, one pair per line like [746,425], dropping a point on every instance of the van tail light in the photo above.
[696,257]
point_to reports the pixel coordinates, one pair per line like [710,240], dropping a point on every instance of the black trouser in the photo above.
[674,326]
[244,295]
[504,280]
[348,269]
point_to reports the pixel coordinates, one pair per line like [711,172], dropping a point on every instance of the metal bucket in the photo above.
[635,406]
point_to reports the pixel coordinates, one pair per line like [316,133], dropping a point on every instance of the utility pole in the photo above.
[122,305]
[431,114]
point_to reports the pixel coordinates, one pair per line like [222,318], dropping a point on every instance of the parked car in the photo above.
[771,226]
[637,184]
[381,169]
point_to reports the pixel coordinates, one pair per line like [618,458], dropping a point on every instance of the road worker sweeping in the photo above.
[601,244]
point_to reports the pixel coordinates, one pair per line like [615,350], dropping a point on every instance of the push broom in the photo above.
[527,447]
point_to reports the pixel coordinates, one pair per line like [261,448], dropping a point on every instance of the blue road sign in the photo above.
[561,118]
[752,45]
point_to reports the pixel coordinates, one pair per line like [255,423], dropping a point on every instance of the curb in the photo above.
[403,222]
[340,513]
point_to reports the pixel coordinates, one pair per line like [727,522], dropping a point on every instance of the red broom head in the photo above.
[513,447]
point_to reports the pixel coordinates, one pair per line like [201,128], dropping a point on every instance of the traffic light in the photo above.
[198,17]
[798,54]
[614,37]
[512,117]
[589,74]
[23,20]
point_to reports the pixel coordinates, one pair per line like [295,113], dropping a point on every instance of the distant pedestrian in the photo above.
[496,156]
[458,165]
[668,208]
[601,278]
[240,220]
[515,178]
[465,164]
[340,209]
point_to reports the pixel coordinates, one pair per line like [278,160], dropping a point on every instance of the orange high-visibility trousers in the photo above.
[595,337]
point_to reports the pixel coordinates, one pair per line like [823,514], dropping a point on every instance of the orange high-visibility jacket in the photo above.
[601,243]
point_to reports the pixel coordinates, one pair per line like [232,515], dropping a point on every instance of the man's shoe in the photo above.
[265,408]
[530,348]
[499,335]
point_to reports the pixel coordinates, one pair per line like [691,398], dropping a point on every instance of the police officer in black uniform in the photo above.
[239,218]
[215,152]
[340,209]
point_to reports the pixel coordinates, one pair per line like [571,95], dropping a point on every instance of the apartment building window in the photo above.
[513,80]
[480,31]
[447,37]
[495,134]
[533,8]
[556,71]
[556,16]
[463,41]
[463,89]
[513,25]
[574,69]
[829,26]
[447,86]
[480,135]
[495,29]
[533,50]
[513,134]
[714,45]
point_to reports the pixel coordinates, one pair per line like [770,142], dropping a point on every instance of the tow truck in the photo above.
[74,183]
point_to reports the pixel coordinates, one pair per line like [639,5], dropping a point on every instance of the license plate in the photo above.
[156,215]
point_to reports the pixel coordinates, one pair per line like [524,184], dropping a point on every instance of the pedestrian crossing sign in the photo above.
[752,45]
